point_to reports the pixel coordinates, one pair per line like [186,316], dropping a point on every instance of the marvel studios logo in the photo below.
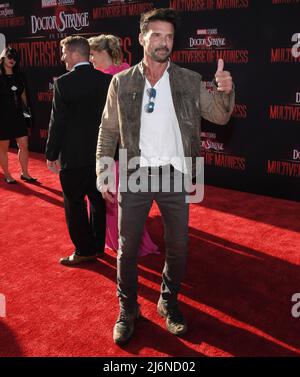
[49,3]
[54,3]
[207,31]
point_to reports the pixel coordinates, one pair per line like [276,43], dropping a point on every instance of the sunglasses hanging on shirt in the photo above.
[149,107]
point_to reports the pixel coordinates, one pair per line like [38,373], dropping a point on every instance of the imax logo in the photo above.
[2,306]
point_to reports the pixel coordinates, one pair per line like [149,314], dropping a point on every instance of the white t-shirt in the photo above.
[160,136]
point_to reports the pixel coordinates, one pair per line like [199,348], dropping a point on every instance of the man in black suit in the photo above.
[78,101]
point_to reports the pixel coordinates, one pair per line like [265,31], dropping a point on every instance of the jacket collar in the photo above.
[141,67]
[82,65]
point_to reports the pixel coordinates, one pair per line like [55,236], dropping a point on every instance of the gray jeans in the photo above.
[133,212]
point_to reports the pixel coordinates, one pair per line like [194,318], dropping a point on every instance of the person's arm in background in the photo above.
[56,128]
[24,98]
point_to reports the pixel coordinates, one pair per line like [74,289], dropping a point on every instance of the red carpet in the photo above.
[242,272]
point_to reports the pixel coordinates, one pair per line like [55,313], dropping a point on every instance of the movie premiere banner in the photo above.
[259,41]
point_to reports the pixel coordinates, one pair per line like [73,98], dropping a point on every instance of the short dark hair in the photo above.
[160,14]
[78,44]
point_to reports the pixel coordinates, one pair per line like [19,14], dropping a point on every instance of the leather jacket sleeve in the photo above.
[109,128]
[216,107]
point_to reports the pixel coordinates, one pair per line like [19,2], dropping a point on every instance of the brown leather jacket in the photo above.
[122,113]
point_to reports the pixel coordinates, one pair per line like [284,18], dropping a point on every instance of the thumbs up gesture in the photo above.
[223,78]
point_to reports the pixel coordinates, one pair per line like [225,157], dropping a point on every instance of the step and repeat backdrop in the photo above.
[259,150]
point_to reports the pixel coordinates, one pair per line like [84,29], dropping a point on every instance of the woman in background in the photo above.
[12,123]
[106,56]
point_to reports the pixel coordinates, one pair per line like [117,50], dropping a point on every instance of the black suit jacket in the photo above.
[78,101]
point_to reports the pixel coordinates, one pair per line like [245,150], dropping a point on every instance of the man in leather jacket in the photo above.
[153,111]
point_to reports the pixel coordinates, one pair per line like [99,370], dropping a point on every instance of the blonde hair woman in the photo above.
[106,54]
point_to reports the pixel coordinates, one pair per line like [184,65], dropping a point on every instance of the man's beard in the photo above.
[158,58]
